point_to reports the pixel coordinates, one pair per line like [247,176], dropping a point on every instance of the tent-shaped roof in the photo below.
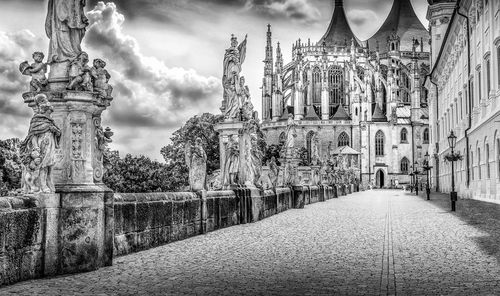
[311,114]
[403,22]
[345,150]
[378,115]
[340,114]
[339,32]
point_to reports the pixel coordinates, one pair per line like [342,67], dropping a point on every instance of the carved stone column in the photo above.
[82,232]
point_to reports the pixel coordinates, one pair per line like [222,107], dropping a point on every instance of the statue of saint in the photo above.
[291,134]
[315,158]
[243,94]
[65,27]
[196,160]
[254,163]
[231,163]
[273,171]
[233,104]
[38,149]
[233,59]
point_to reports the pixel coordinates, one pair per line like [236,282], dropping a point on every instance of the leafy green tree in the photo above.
[196,127]
[10,166]
[135,173]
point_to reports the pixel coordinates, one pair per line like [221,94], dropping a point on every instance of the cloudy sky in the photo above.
[165,56]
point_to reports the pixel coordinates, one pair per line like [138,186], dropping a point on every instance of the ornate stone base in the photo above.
[85,228]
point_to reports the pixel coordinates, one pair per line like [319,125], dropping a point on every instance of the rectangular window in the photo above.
[498,63]
[471,95]
[488,77]
[479,85]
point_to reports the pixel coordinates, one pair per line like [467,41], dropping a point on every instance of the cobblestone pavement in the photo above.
[379,242]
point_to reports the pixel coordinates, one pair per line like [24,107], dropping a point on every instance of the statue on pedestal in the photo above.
[291,134]
[65,27]
[196,160]
[231,163]
[37,71]
[244,99]
[38,149]
[101,78]
[253,153]
[233,59]
[79,73]
[273,171]
[315,158]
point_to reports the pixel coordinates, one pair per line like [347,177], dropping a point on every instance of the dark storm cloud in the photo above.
[151,94]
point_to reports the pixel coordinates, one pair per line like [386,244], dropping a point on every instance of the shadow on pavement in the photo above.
[481,215]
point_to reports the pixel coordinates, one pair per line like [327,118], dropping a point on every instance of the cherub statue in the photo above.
[79,73]
[101,78]
[196,160]
[37,71]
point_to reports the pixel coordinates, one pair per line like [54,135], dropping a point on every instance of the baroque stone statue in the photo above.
[65,26]
[101,78]
[79,73]
[291,134]
[37,71]
[38,149]
[315,158]
[233,59]
[231,163]
[196,160]
[273,171]
[253,154]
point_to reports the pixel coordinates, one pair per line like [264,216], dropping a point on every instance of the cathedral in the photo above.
[363,98]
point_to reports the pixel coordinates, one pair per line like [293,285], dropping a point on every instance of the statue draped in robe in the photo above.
[38,149]
[196,160]
[65,27]
[233,59]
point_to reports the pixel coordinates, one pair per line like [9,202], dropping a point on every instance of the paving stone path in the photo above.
[380,242]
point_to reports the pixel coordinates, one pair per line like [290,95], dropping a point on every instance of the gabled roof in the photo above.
[402,21]
[378,115]
[345,150]
[340,114]
[311,114]
[339,32]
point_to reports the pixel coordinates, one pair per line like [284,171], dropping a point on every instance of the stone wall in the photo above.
[21,245]
[31,237]
[147,220]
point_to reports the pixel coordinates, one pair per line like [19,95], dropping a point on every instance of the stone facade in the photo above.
[464,96]
[366,95]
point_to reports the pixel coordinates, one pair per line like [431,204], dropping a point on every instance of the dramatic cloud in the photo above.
[14,114]
[148,94]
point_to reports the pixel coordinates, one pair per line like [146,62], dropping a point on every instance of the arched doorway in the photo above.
[380,179]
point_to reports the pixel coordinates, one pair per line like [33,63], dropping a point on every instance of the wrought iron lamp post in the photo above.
[411,178]
[452,141]
[416,172]
[427,169]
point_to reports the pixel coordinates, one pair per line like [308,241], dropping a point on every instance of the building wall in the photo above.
[462,103]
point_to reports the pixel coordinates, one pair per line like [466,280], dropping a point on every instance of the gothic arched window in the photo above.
[309,143]
[404,165]
[379,143]
[316,82]
[335,87]
[404,136]
[404,86]
[306,88]
[426,136]
[343,140]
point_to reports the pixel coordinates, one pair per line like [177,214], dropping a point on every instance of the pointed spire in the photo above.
[402,21]
[339,30]
[279,59]
[268,67]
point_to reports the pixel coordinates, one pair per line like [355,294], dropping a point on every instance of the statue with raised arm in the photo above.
[37,71]
[233,59]
[65,27]
[196,160]
[38,149]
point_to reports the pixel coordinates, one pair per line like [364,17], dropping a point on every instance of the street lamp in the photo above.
[416,172]
[452,141]
[411,178]
[427,168]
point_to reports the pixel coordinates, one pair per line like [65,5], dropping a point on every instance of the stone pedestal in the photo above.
[226,130]
[79,221]
[298,197]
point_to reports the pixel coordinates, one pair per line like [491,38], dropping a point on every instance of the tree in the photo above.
[135,173]
[272,150]
[10,166]
[196,127]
